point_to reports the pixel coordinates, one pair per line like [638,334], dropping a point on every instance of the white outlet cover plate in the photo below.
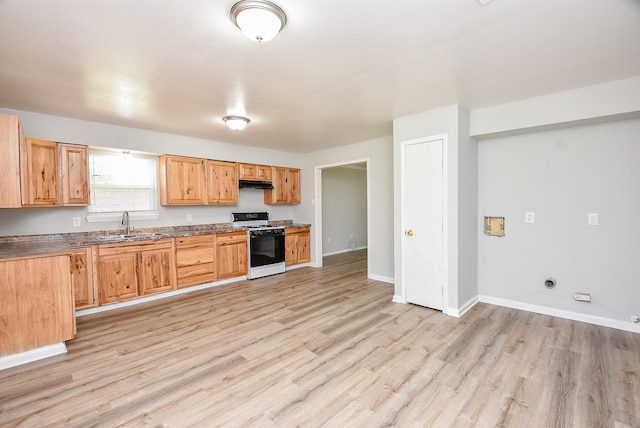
[529,217]
[592,219]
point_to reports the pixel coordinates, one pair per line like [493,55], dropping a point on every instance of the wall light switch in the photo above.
[76,222]
[189,217]
[529,217]
[592,219]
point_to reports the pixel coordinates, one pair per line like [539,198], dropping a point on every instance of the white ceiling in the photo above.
[338,73]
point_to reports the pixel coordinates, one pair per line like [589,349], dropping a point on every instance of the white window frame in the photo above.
[95,217]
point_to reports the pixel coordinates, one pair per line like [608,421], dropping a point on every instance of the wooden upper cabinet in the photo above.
[10,141]
[75,174]
[182,181]
[250,171]
[40,172]
[222,183]
[286,186]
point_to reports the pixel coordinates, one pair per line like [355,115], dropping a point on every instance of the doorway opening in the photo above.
[341,208]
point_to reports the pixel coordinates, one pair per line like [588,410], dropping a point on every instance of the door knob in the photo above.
[408,232]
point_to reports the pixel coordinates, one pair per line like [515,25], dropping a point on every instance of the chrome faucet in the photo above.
[125,222]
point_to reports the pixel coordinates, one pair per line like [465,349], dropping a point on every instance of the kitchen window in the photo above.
[122,181]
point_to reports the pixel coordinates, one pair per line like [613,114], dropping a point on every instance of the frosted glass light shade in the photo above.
[259,20]
[237,123]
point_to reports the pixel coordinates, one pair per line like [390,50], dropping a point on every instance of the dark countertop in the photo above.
[64,243]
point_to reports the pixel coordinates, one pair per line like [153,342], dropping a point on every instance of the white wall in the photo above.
[562,176]
[23,221]
[605,102]
[378,154]
[344,209]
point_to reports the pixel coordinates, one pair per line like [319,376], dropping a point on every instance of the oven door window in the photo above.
[266,249]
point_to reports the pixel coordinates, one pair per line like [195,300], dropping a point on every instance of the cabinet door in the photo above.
[82,279]
[40,172]
[247,171]
[293,186]
[290,249]
[286,186]
[231,254]
[10,141]
[118,275]
[195,260]
[75,174]
[250,171]
[36,308]
[155,270]
[182,181]
[303,247]
[277,195]
[263,172]
[222,183]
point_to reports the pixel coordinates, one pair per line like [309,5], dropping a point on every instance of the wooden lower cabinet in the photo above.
[118,276]
[130,270]
[36,308]
[231,254]
[297,245]
[195,260]
[84,292]
[157,267]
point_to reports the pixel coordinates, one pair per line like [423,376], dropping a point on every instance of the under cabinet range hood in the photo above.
[255,184]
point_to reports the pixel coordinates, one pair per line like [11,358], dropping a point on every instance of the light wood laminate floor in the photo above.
[327,347]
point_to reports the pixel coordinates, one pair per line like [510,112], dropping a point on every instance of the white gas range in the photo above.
[266,243]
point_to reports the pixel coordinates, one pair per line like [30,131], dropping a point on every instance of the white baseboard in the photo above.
[32,355]
[458,312]
[575,316]
[332,253]
[381,278]
[397,299]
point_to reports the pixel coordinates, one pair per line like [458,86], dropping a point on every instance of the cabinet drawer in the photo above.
[231,238]
[194,241]
[292,230]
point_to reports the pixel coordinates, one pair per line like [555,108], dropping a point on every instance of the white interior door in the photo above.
[422,213]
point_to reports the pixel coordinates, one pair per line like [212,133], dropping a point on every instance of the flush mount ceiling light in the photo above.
[237,123]
[259,20]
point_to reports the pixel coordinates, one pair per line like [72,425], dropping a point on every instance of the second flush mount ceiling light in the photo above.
[236,123]
[259,20]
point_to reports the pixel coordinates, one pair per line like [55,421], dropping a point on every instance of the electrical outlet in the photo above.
[329,240]
[592,219]
[189,217]
[582,297]
[529,217]
[76,222]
